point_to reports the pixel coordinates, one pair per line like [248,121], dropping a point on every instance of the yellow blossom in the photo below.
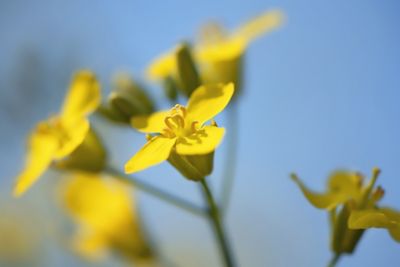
[217,53]
[60,135]
[107,217]
[353,207]
[182,130]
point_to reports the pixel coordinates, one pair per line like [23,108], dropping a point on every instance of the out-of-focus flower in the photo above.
[218,54]
[181,130]
[353,208]
[59,136]
[107,217]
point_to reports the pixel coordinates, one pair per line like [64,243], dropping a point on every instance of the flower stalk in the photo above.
[215,220]
[156,192]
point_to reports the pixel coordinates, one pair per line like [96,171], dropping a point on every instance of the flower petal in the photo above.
[162,67]
[152,153]
[328,200]
[71,136]
[223,51]
[83,96]
[41,150]
[376,218]
[260,25]
[208,100]
[153,123]
[203,141]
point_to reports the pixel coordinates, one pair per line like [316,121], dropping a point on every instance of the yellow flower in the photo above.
[181,130]
[59,136]
[353,208]
[107,217]
[219,55]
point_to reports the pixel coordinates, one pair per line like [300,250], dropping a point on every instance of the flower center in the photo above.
[176,124]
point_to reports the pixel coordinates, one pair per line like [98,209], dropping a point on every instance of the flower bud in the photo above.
[188,76]
[128,99]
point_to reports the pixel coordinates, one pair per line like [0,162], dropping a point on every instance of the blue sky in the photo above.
[320,93]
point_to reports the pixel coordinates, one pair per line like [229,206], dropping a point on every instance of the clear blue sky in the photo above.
[321,93]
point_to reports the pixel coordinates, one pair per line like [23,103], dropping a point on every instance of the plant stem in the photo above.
[231,157]
[215,220]
[334,260]
[152,190]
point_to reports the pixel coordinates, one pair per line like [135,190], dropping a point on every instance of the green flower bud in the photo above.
[127,100]
[188,76]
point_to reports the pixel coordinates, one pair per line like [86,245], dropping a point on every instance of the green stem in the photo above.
[334,260]
[231,157]
[152,190]
[215,220]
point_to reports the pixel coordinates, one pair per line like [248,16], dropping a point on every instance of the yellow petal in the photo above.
[162,67]
[377,218]
[82,98]
[259,26]
[153,123]
[223,51]
[71,136]
[328,200]
[41,150]
[152,153]
[203,141]
[207,101]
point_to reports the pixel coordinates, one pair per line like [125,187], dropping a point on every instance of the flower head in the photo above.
[353,207]
[107,217]
[60,135]
[218,54]
[182,129]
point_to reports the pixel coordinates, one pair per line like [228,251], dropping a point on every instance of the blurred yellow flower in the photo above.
[182,129]
[60,135]
[353,208]
[107,216]
[219,54]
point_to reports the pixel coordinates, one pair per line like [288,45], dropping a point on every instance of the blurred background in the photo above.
[321,92]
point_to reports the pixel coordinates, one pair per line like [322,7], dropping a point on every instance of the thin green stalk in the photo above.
[334,260]
[231,156]
[152,190]
[215,221]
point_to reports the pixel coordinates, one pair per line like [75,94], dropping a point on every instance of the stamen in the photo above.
[193,126]
[168,122]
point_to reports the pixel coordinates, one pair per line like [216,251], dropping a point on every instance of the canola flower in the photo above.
[218,54]
[107,218]
[57,137]
[353,207]
[182,130]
